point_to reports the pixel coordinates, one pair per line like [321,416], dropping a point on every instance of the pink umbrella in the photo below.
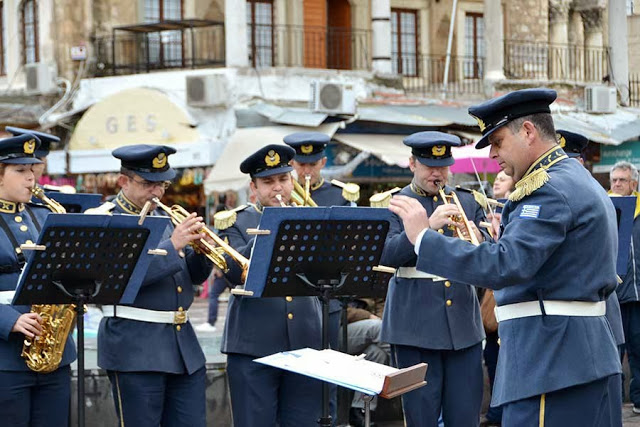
[467,154]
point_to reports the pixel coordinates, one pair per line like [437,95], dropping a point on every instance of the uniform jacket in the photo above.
[540,255]
[629,289]
[20,220]
[131,345]
[329,195]
[263,326]
[416,312]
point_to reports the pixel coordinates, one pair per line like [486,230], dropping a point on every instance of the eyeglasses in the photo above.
[151,184]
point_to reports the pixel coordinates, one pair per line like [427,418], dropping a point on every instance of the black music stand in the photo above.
[327,252]
[81,259]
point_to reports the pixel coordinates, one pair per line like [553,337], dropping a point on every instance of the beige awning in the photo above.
[386,147]
[226,175]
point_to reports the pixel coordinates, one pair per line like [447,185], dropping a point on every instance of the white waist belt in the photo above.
[6,297]
[551,308]
[144,315]
[413,273]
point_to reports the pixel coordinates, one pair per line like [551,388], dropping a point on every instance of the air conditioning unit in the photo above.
[40,78]
[600,99]
[209,90]
[333,98]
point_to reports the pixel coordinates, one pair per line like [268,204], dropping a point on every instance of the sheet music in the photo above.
[333,366]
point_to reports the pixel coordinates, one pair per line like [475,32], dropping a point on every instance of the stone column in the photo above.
[558,39]
[595,59]
[493,39]
[618,39]
[576,43]
[235,37]
[381,37]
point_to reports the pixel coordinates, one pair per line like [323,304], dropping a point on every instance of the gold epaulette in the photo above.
[380,200]
[530,183]
[225,219]
[350,191]
[103,209]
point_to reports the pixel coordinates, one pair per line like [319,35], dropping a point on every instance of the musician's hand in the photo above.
[187,232]
[476,231]
[28,324]
[495,224]
[413,215]
[441,216]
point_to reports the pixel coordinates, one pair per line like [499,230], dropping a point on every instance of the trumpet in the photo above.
[282,203]
[178,215]
[302,196]
[466,230]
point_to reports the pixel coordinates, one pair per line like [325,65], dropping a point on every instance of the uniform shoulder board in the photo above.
[530,183]
[225,219]
[350,191]
[103,209]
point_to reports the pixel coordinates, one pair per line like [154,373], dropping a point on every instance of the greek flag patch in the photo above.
[530,211]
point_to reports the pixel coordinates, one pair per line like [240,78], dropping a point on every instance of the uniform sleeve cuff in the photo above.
[416,248]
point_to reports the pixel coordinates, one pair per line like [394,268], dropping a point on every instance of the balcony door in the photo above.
[339,34]
[165,47]
[473,45]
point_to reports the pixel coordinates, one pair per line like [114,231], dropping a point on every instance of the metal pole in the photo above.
[449,42]
[80,326]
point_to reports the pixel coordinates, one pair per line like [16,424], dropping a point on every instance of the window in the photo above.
[260,32]
[473,45]
[3,42]
[404,41]
[29,20]
[629,7]
[165,47]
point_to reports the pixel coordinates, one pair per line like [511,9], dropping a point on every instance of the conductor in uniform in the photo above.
[256,327]
[557,350]
[149,349]
[429,318]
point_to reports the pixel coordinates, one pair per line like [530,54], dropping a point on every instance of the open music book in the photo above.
[348,371]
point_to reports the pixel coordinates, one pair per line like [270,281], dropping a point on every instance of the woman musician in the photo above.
[27,398]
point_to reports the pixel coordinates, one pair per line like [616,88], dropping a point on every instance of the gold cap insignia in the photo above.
[561,140]
[438,150]
[480,123]
[29,146]
[160,161]
[306,149]
[272,158]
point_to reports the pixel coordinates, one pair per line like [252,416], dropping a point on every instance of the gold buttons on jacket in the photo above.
[18,219]
[440,230]
[180,309]
[179,289]
[178,328]
[435,198]
[23,228]
[447,284]
[18,250]
[289,299]
[290,316]
[28,242]
[449,302]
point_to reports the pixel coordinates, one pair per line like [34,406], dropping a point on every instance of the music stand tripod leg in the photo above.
[367,409]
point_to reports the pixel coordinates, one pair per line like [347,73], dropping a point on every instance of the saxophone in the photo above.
[44,353]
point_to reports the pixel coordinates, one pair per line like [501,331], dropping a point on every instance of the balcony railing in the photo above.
[160,46]
[634,90]
[543,61]
[426,75]
[310,47]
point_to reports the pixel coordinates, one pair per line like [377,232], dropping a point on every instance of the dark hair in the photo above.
[127,172]
[542,121]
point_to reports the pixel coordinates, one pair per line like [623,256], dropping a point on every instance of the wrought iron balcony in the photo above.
[424,74]
[162,45]
[555,62]
[307,46]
